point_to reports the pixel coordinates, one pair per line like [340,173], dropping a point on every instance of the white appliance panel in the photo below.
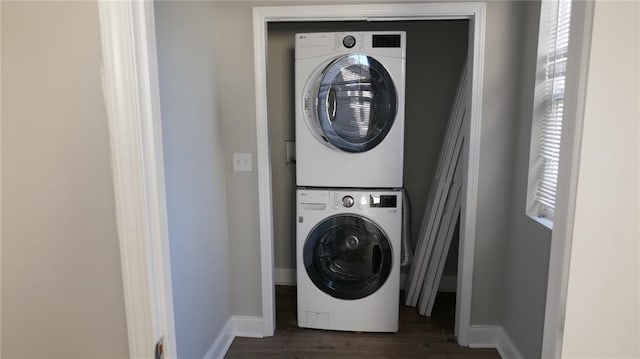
[376,312]
[320,161]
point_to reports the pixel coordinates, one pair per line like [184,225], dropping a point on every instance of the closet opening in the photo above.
[436,53]
[475,15]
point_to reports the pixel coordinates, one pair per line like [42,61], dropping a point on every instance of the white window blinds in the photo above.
[548,114]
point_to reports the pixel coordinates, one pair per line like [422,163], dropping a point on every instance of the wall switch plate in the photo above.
[242,162]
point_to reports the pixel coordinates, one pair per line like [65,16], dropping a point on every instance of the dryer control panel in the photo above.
[380,43]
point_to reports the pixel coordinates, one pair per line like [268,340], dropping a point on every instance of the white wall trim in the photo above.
[560,252]
[247,326]
[264,173]
[0,190]
[475,12]
[284,276]
[493,336]
[236,326]
[130,85]
[470,173]
[484,336]
[506,348]
[222,342]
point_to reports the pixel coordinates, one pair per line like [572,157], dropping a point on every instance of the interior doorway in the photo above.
[436,51]
[473,15]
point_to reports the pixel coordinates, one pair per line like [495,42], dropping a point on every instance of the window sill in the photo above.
[542,220]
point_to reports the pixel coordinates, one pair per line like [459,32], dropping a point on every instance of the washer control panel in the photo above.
[383,200]
[335,200]
[362,200]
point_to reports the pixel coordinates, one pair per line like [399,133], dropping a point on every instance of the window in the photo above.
[553,45]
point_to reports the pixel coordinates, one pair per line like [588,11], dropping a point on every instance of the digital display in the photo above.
[383,201]
[386,40]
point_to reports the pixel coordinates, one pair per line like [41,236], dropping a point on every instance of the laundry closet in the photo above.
[436,52]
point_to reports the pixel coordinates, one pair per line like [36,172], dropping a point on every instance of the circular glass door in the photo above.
[347,256]
[356,103]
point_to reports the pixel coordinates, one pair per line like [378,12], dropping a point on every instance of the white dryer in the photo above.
[348,259]
[350,109]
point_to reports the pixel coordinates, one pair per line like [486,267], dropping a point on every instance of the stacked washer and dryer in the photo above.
[349,165]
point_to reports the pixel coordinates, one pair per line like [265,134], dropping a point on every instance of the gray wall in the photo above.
[234,39]
[195,170]
[497,155]
[280,88]
[529,241]
[436,51]
[61,280]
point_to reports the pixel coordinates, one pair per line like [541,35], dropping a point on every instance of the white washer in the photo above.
[348,259]
[350,109]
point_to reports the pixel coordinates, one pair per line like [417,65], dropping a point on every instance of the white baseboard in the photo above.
[284,276]
[247,326]
[506,348]
[480,336]
[484,336]
[493,336]
[236,326]
[222,342]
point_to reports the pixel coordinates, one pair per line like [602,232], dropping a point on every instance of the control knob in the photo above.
[347,201]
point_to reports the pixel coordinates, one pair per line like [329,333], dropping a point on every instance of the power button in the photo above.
[347,201]
[349,41]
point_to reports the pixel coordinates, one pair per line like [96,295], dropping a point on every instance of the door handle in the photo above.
[332,104]
[376,259]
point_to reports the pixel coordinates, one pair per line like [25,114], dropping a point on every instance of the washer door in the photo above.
[347,256]
[356,103]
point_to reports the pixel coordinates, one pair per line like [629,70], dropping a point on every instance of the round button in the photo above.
[349,41]
[347,201]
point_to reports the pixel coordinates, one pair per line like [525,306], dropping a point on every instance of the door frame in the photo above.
[570,143]
[130,83]
[132,101]
[475,12]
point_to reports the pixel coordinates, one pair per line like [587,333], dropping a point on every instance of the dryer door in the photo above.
[356,103]
[348,256]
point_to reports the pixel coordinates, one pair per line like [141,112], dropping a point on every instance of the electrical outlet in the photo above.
[242,162]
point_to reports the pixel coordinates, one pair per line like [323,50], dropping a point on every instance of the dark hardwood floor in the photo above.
[418,337]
